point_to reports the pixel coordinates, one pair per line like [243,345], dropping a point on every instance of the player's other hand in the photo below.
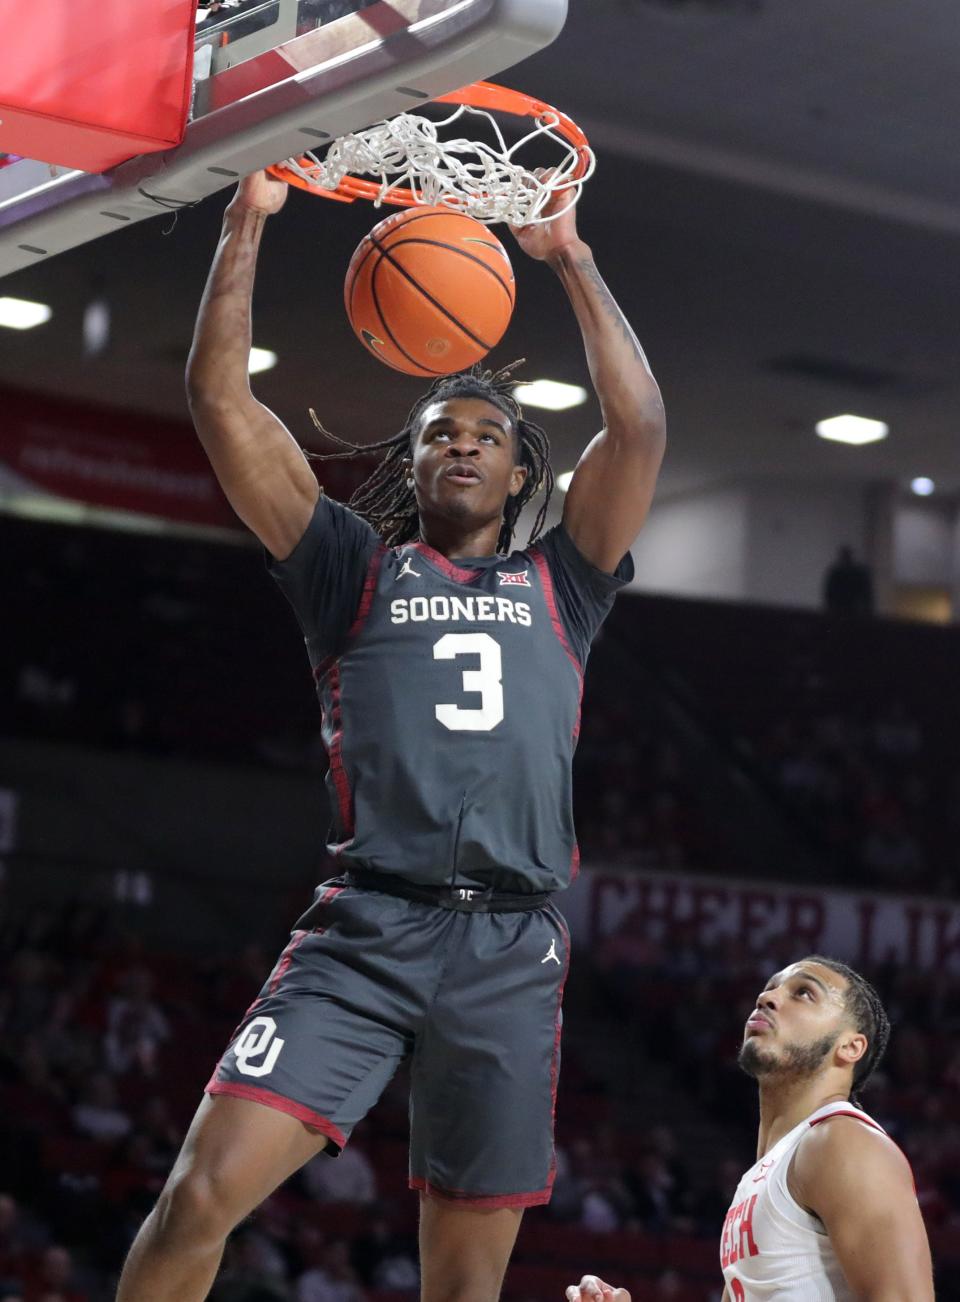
[261,192]
[593,1289]
[543,240]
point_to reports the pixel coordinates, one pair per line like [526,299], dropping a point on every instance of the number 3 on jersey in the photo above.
[487,681]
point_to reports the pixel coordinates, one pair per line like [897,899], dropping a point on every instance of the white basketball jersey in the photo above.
[771,1250]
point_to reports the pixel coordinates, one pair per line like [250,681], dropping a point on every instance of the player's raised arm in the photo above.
[259,465]
[859,1184]
[613,484]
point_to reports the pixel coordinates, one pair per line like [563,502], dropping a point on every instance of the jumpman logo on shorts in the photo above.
[407,568]
[551,954]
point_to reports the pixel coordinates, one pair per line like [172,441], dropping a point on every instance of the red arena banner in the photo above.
[107,458]
[613,910]
[90,83]
[123,461]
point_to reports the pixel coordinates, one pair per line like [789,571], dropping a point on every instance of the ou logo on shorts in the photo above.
[257,1041]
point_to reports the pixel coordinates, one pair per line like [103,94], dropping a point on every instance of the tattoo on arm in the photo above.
[609,304]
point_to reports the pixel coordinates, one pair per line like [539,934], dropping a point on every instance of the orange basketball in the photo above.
[429,291]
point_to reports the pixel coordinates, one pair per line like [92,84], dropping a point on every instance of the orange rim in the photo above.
[479,94]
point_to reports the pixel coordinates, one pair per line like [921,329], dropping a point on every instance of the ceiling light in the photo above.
[852,429]
[550,394]
[564,480]
[96,326]
[261,359]
[21,314]
[922,486]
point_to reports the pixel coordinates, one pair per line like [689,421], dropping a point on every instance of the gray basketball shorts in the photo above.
[473,998]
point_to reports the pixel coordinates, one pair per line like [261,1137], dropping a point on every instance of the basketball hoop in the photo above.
[413,165]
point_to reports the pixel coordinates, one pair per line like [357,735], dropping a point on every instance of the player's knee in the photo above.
[194,1210]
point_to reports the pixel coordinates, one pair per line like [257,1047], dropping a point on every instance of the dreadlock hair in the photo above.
[384,499]
[868,1015]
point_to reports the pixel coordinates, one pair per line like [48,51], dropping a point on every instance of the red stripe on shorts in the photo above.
[329,894]
[285,960]
[256,1094]
[481,1200]
[555,1061]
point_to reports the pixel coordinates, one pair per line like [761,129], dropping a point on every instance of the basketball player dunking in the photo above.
[449,669]
[828,1213]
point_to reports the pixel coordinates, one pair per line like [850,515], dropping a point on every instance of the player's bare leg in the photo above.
[464,1251]
[235,1154]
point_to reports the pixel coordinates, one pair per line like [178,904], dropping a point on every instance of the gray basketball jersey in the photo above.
[451,700]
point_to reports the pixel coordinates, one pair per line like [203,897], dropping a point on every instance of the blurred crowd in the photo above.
[106,1046]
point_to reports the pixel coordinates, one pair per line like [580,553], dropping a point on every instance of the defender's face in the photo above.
[799,1015]
[464,460]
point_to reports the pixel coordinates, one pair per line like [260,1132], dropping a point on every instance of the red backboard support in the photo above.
[123,90]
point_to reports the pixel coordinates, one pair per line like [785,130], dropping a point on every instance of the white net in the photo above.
[482,180]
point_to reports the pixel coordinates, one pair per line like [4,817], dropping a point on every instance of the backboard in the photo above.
[271,79]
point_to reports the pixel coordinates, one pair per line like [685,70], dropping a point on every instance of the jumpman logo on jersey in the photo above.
[551,954]
[407,568]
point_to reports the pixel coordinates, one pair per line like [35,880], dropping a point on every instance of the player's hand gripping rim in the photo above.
[543,240]
[593,1289]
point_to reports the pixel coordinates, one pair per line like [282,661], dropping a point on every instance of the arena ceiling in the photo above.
[777,208]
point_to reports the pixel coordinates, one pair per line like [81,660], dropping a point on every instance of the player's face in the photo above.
[799,1017]
[464,460]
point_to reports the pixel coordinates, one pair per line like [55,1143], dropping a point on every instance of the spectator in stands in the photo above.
[348,1179]
[20,1236]
[896,734]
[255,1269]
[28,998]
[157,1125]
[663,1141]
[652,1191]
[55,1279]
[670,1285]
[35,1096]
[136,1027]
[334,1280]
[848,585]
[604,1199]
[385,1259]
[890,855]
[97,1115]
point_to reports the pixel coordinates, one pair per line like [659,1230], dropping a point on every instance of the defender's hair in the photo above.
[386,502]
[868,1015]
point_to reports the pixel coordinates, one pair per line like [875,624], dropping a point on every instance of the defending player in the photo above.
[449,670]
[828,1213]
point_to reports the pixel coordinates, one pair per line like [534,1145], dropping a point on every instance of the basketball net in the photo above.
[413,164]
